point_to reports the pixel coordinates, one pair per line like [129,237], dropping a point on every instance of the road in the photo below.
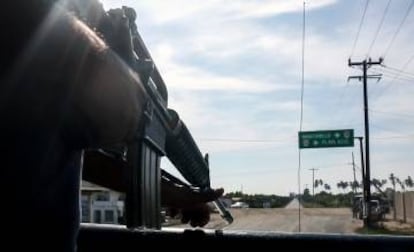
[319,220]
[294,204]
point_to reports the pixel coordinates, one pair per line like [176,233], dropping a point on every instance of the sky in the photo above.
[233,70]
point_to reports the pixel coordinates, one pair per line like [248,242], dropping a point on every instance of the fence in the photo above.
[404,206]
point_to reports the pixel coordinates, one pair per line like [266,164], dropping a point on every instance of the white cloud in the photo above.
[231,75]
[193,78]
[185,10]
[217,130]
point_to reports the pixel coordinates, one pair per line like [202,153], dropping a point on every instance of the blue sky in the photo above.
[233,72]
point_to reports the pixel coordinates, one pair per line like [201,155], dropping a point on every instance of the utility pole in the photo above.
[362,161]
[367,183]
[353,167]
[313,181]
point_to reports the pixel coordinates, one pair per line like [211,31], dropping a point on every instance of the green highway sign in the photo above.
[326,138]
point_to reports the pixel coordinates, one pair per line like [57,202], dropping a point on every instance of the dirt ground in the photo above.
[397,226]
[315,220]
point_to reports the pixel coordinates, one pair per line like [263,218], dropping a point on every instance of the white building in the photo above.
[100,204]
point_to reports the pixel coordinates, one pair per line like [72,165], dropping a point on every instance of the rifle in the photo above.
[163,133]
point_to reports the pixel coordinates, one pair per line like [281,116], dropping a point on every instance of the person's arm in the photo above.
[110,105]
[108,172]
[80,82]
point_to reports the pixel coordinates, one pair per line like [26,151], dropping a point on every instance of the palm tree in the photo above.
[354,185]
[403,199]
[392,179]
[342,184]
[409,182]
[327,187]
[402,185]
[378,183]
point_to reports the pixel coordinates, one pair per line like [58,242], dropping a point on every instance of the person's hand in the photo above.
[194,209]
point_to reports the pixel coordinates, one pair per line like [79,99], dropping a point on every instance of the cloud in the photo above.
[179,76]
[233,71]
[185,10]
[266,8]
[218,130]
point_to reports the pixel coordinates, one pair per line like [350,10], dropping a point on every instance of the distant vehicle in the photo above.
[240,205]
[378,208]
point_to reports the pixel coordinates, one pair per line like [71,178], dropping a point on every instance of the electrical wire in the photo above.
[244,140]
[398,71]
[406,137]
[407,63]
[392,75]
[392,113]
[379,27]
[301,109]
[398,29]
[359,28]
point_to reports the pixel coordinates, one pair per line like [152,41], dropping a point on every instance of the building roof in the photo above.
[88,186]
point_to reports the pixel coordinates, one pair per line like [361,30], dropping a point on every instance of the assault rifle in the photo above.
[163,133]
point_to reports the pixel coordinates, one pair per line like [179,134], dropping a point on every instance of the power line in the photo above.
[359,28]
[392,113]
[400,78]
[272,170]
[395,137]
[392,75]
[244,140]
[399,28]
[301,107]
[406,64]
[395,131]
[379,27]
[399,71]
[252,172]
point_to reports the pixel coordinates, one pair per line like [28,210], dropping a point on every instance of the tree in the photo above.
[392,179]
[409,182]
[403,199]
[306,195]
[342,184]
[378,183]
[327,187]
[400,183]
[354,185]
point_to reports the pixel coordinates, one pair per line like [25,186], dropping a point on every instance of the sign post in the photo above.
[326,138]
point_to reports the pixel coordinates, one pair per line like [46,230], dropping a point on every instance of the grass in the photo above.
[311,205]
[381,229]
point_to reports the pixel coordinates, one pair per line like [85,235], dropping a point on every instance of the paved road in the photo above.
[294,204]
[320,220]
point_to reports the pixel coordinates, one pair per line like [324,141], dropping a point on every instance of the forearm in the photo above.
[109,97]
[109,172]
[68,81]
